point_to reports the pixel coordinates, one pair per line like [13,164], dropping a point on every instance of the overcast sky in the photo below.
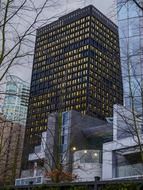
[107,7]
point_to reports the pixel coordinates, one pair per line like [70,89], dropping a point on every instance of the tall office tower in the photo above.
[130,18]
[16,100]
[76,67]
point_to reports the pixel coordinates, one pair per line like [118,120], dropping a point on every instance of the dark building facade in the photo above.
[76,67]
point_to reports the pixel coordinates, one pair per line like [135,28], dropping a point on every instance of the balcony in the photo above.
[31,177]
[30,172]
[130,170]
[29,180]
[128,162]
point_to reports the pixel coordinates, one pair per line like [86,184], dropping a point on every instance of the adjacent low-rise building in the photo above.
[11,145]
[69,133]
[122,157]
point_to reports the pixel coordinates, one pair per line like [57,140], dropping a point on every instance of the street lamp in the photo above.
[95,154]
[74,148]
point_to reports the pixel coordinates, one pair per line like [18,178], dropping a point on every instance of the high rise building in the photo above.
[16,100]
[76,67]
[130,19]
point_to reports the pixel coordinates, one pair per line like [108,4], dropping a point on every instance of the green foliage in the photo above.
[121,186]
[77,188]
[45,187]
[7,188]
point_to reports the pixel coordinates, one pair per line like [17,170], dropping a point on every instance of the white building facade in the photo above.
[63,143]
[87,165]
[122,156]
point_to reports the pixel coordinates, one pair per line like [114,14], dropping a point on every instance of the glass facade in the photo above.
[127,162]
[130,19]
[65,135]
[76,67]
[16,100]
